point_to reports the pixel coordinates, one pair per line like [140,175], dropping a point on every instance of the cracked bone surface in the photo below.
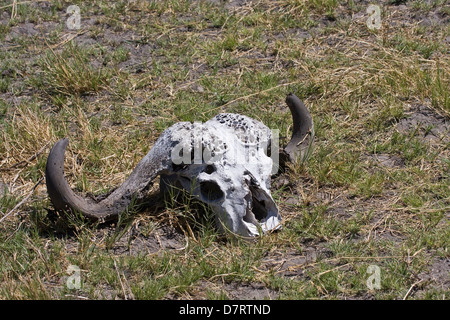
[226,163]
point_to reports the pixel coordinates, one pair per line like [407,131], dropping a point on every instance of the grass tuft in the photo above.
[373,194]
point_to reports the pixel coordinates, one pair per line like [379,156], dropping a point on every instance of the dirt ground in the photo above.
[431,126]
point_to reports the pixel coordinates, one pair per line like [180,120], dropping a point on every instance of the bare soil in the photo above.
[425,122]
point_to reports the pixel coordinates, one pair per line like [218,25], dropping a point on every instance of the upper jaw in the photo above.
[252,216]
[261,213]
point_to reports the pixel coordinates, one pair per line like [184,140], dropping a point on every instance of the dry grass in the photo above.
[375,191]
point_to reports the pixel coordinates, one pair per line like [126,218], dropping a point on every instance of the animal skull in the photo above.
[227,163]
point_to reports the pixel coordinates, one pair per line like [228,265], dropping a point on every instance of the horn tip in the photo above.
[293,101]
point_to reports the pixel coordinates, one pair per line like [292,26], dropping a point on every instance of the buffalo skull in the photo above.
[226,162]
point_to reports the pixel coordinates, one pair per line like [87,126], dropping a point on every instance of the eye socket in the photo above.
[209,169]
[211,191]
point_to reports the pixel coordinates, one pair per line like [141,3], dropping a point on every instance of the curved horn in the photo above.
[303,130]
[64,199]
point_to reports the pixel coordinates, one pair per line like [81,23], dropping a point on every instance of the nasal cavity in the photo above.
[259,209]
[211,191]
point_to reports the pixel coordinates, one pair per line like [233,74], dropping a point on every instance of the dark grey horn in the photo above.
[300,145]
[65,199]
